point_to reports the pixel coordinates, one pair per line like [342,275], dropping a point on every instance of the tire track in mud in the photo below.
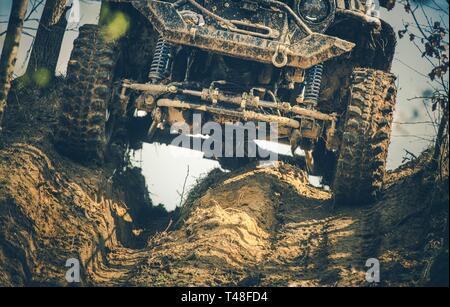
[326,253]
[315,243]
[370,237]
[324,272]
[342,245]
[116,266]
[300,241]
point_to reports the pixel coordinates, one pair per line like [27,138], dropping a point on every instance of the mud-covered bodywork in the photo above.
[266,31]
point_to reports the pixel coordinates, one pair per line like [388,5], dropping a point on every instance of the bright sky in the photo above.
[166,167]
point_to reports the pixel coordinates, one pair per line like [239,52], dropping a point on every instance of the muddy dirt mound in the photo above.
[46,218]
[271,227]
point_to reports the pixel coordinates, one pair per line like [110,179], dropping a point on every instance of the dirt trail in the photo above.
[253,227]
[270,227]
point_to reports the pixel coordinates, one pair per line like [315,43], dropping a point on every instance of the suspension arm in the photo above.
[244,115]
[214,96]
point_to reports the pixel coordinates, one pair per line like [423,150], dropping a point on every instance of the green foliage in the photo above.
[114,24]
[42,77]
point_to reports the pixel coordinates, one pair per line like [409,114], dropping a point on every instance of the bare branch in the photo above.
[184,187]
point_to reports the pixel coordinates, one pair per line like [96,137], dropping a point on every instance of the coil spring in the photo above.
[313,84]
[161,61]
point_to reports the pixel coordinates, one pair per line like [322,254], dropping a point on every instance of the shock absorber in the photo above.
[162,60]
[313,84]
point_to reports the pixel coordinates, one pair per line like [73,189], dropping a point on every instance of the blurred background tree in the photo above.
[10,49]
[429,34]
[47,42]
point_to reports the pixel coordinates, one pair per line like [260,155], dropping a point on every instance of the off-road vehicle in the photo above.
[317,68]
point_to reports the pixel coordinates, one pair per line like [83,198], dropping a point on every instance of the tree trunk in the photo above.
[441,150]
[10,48]
[49,36]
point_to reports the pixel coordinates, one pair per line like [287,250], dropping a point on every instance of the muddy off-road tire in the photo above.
[361,163]
[87,114]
